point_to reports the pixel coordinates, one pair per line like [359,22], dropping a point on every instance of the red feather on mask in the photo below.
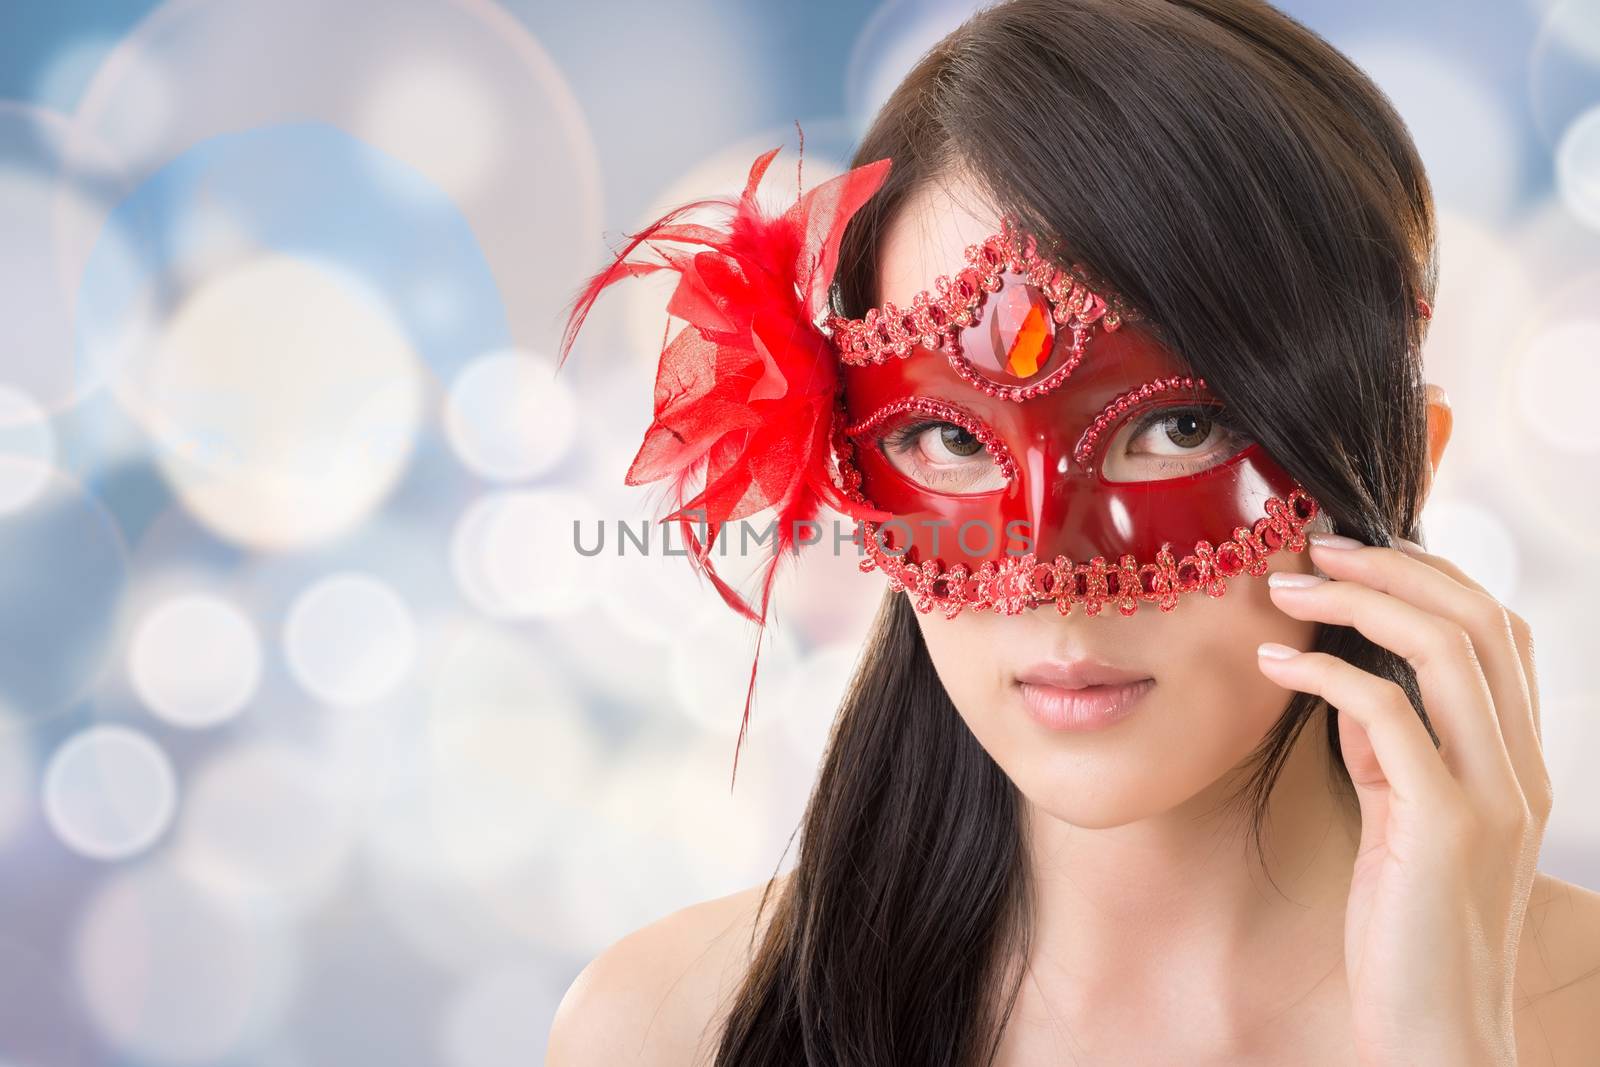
[745,392]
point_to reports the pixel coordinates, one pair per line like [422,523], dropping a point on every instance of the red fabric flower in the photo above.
[745,392]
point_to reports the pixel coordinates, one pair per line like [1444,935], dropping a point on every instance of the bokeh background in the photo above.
[318,743]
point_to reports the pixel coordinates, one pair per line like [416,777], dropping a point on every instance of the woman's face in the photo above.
[1206,705]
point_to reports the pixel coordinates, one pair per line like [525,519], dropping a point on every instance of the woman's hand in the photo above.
[1449,836]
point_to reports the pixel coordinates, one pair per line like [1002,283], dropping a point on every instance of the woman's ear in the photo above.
[1440,421]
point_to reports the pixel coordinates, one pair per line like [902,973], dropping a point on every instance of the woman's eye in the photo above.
[1172,442]
[957,440]
[1182,432]
[942,456]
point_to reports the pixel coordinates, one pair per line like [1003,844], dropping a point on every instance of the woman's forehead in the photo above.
[928,236]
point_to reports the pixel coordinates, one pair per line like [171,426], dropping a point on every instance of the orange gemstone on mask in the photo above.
[1031,347]
[1014,340]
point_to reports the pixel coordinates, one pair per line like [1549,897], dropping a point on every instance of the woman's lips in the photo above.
[1087,708]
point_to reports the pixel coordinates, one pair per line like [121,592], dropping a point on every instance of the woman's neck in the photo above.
[1152,911]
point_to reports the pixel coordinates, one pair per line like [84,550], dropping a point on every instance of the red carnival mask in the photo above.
[1035,445]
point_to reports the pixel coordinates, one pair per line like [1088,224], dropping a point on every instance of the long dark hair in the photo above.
[1258,197]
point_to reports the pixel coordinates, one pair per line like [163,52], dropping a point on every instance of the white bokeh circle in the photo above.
[515,554]
[195,660]
[280,430]
[350,639]
[109,792]
[509,416]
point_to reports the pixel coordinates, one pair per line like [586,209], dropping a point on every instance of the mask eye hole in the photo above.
[942,456]
[938,447]
[1177,440]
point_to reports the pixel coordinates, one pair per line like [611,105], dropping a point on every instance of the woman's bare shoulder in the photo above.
[1558,975]
[651,997]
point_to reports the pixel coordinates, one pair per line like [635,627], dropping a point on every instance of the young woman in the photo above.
[1167,266]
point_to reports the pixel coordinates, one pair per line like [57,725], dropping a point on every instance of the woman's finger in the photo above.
[1411,766]
[1454,691]
[1435,584]
[1519,720]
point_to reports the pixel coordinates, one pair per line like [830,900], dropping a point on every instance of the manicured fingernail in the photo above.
[1406,546]
[1273,650]
[1333,540]
[1293,580]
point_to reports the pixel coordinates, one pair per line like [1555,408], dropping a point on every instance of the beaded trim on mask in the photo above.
[935,318]
[1021,582]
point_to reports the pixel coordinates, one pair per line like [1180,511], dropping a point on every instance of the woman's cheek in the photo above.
[957,648]
[1218,661]
[964,657]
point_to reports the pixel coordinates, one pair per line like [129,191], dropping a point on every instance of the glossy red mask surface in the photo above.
[1036,443]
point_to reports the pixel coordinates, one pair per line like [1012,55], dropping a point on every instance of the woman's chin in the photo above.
[1098,812]
[1114,788]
